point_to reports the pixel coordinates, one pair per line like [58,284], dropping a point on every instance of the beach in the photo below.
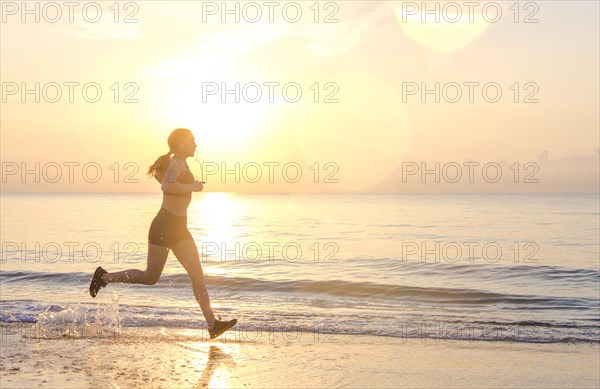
[349,309]
[183,358]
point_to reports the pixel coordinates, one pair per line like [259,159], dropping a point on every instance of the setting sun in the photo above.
[216,111]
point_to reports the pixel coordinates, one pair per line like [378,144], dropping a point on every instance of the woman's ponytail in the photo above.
[160,165]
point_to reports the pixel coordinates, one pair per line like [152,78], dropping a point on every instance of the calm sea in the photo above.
[521,267]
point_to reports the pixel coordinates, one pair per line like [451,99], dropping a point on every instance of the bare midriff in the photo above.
[176,205]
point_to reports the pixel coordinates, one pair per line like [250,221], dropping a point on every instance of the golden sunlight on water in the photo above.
[217,214]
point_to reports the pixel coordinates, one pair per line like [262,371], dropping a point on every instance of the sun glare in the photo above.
[199,97]
[219,127]
[445,34]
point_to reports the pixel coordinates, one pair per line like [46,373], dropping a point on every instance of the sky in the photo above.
[346,96]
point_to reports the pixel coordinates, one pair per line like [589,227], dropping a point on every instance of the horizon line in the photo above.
[325,193]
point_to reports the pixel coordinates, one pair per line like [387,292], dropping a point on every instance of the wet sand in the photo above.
[182,358]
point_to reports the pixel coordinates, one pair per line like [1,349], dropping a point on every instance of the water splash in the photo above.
[78,321]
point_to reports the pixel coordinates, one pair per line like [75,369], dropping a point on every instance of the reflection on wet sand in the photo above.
[217,360]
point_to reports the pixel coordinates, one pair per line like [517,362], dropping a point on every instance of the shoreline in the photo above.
[176,357]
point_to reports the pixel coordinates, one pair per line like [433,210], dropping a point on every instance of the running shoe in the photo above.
[219,327]
[97,281]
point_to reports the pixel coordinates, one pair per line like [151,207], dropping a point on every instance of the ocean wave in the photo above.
[360,290]
[76,323]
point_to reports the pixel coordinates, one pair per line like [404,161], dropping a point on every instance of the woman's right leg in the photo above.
[157,257]
[187,254]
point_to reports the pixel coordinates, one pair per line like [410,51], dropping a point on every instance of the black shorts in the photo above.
[167,229]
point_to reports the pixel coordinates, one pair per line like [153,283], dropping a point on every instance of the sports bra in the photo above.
[186,178]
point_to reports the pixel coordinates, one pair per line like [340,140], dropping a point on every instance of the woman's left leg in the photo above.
[155,263]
